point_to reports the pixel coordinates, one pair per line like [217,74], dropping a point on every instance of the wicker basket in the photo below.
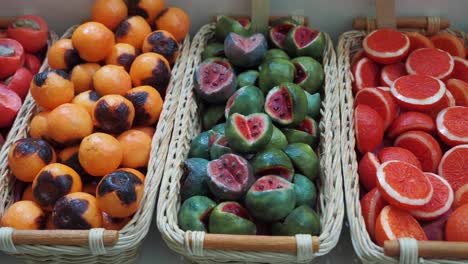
[95,245]
[215,248]
[365,248]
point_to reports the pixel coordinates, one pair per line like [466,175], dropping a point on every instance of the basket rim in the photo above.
[174,237]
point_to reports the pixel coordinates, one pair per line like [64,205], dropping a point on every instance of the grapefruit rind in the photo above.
[388,191]
[386,100]
[359,83]
[418,104]
[364,177]
[445,133]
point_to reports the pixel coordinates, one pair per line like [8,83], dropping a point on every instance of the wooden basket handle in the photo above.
[305,20]
[60,237]
[385,13]
[4,21]
[431,249]
[285,244]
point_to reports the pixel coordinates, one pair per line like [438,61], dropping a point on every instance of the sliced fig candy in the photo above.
[231,218]
[304,41]
[245,51]
[229,177]
[214,82]
[279,30]
[195,212]
[248,134]
[219,146]
[286,104]
[225,25]
[247,100]
[273,162]
[310,127]
[194,180]
[270,198]
[309,74]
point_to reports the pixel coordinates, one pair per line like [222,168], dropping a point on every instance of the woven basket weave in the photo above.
[188,126]
[349,43]
[132,235]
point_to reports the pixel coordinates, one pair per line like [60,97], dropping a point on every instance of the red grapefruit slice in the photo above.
[393,223]
[459,90]
[447,101]
[430,61]
[392,72]
[382,102]
[367,169]
[386,46]
[452,125]
[418,92]
[423,146]
[369,128]
[460,69]
[450,43]
[461,196]
[454,166]
[418,41]
[401,154]
[411,121]
[371,205]
[403,185]
[441,200]
[366,74]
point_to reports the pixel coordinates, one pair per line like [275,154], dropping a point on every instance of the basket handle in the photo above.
[61,237]
[385,13]
[287,244]
[5,21]
[433,249]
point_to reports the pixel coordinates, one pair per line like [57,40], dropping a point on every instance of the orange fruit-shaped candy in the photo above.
[62,55]
[87,100]
[77,210]
[114,223]
[82,76]
[69,156]
[174,20]
[151,69]
[97,148]
[148,104]
[456,228]
[162,42]
[109,12]
[52,88]
[27,194]
[38,126]
[28,156]
[133,31]
[119,193]
[149,130]
[24,215]
[136,147]
[123,54]
[113,114]
[69,123]
[91,186]
[54,181]
[148,9]
[112,79]
[93,40]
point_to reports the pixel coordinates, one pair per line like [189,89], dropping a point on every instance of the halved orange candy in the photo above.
[403,185]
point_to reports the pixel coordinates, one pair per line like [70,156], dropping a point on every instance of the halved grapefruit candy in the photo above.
[371,205]
[454,166]
[423,146]
[386,46]
[382,102]
[460,69]
[403,185]
[369,128]
[393,223]
[450,43]
[367,169]
[418,92]
[430,61]
[441,200]
[401,154]
[411,121]
[459,90]
[366,74]
[461,196]
[447,101]
[452,125]
[418,41]
[392,72]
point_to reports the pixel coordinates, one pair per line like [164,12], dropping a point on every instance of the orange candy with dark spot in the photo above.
[119,193]
[69,123]
[52,88]
[82,76]
[151,69]
[123,54]
[53,182]
[77,210]
[174,20]
[133,31]
[87,100]
[148,9]
[62,55]
[114,223]
[28,156]
[148,104]
[113,114]
[162,42]
[24,215]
